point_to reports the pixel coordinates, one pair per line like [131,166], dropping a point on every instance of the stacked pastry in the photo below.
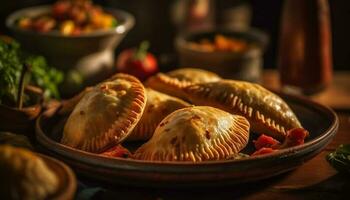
[184,115]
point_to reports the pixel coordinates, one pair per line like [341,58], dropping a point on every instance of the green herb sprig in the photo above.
[340,158]
[12,60]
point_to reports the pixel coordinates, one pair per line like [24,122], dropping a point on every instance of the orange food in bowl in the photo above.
[70,17]
[221,43]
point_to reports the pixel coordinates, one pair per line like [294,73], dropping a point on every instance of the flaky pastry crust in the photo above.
[173,82]
[158,106]
[106,115]
[266,112]
[195,134]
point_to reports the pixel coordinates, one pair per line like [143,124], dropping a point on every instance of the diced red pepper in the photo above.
[265,141]
[117,151]
[295,136]
[266,144]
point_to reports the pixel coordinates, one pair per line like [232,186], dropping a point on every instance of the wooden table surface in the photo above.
[315,179]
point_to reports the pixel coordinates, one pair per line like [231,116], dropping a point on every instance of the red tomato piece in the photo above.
[60,9]
[295,136]
[265,141]
[117,151]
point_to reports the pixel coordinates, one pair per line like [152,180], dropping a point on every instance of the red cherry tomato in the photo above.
[137,62]
[60,9]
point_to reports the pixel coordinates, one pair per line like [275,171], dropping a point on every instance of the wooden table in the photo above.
[316,179]
[336,95]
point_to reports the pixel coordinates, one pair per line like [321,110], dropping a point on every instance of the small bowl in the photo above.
[66,177]
[19,121]
[91,54]
[245,65]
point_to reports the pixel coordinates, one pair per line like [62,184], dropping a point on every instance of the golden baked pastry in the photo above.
[106,114]
[173,82]
[69,104]
[25,175]
[197,133]
[194,75]
[167,85]
[266,112]
[158,106]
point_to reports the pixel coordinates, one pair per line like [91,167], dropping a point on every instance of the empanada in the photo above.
[197,133]
[194,75]
[106,114]
[158,106]
[173,82]
[266,112]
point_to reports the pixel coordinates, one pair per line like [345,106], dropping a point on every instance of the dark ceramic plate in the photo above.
[321,122]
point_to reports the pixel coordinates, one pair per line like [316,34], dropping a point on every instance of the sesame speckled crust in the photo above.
[195,134]
[105,115]
[266,112]
[158,106]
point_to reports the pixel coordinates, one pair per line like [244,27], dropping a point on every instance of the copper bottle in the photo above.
[305,51]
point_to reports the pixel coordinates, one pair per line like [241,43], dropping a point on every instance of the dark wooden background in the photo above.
[154,24]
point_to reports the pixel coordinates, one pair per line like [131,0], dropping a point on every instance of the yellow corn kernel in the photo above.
[24,23]
[67,27]
[107,21]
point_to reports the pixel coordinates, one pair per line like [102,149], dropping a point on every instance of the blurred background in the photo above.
[159,22]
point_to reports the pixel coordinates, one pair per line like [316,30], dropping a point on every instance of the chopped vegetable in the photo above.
[117,151]
[265,141]
[221,43]
[67,27]
[266,144]
[70,17]
[295,137]
[340,158]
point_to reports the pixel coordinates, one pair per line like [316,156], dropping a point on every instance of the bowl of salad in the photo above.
[77,36]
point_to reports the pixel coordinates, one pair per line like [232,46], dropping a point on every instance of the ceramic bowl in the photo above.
[91,55]
[246,65]
[19,121]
